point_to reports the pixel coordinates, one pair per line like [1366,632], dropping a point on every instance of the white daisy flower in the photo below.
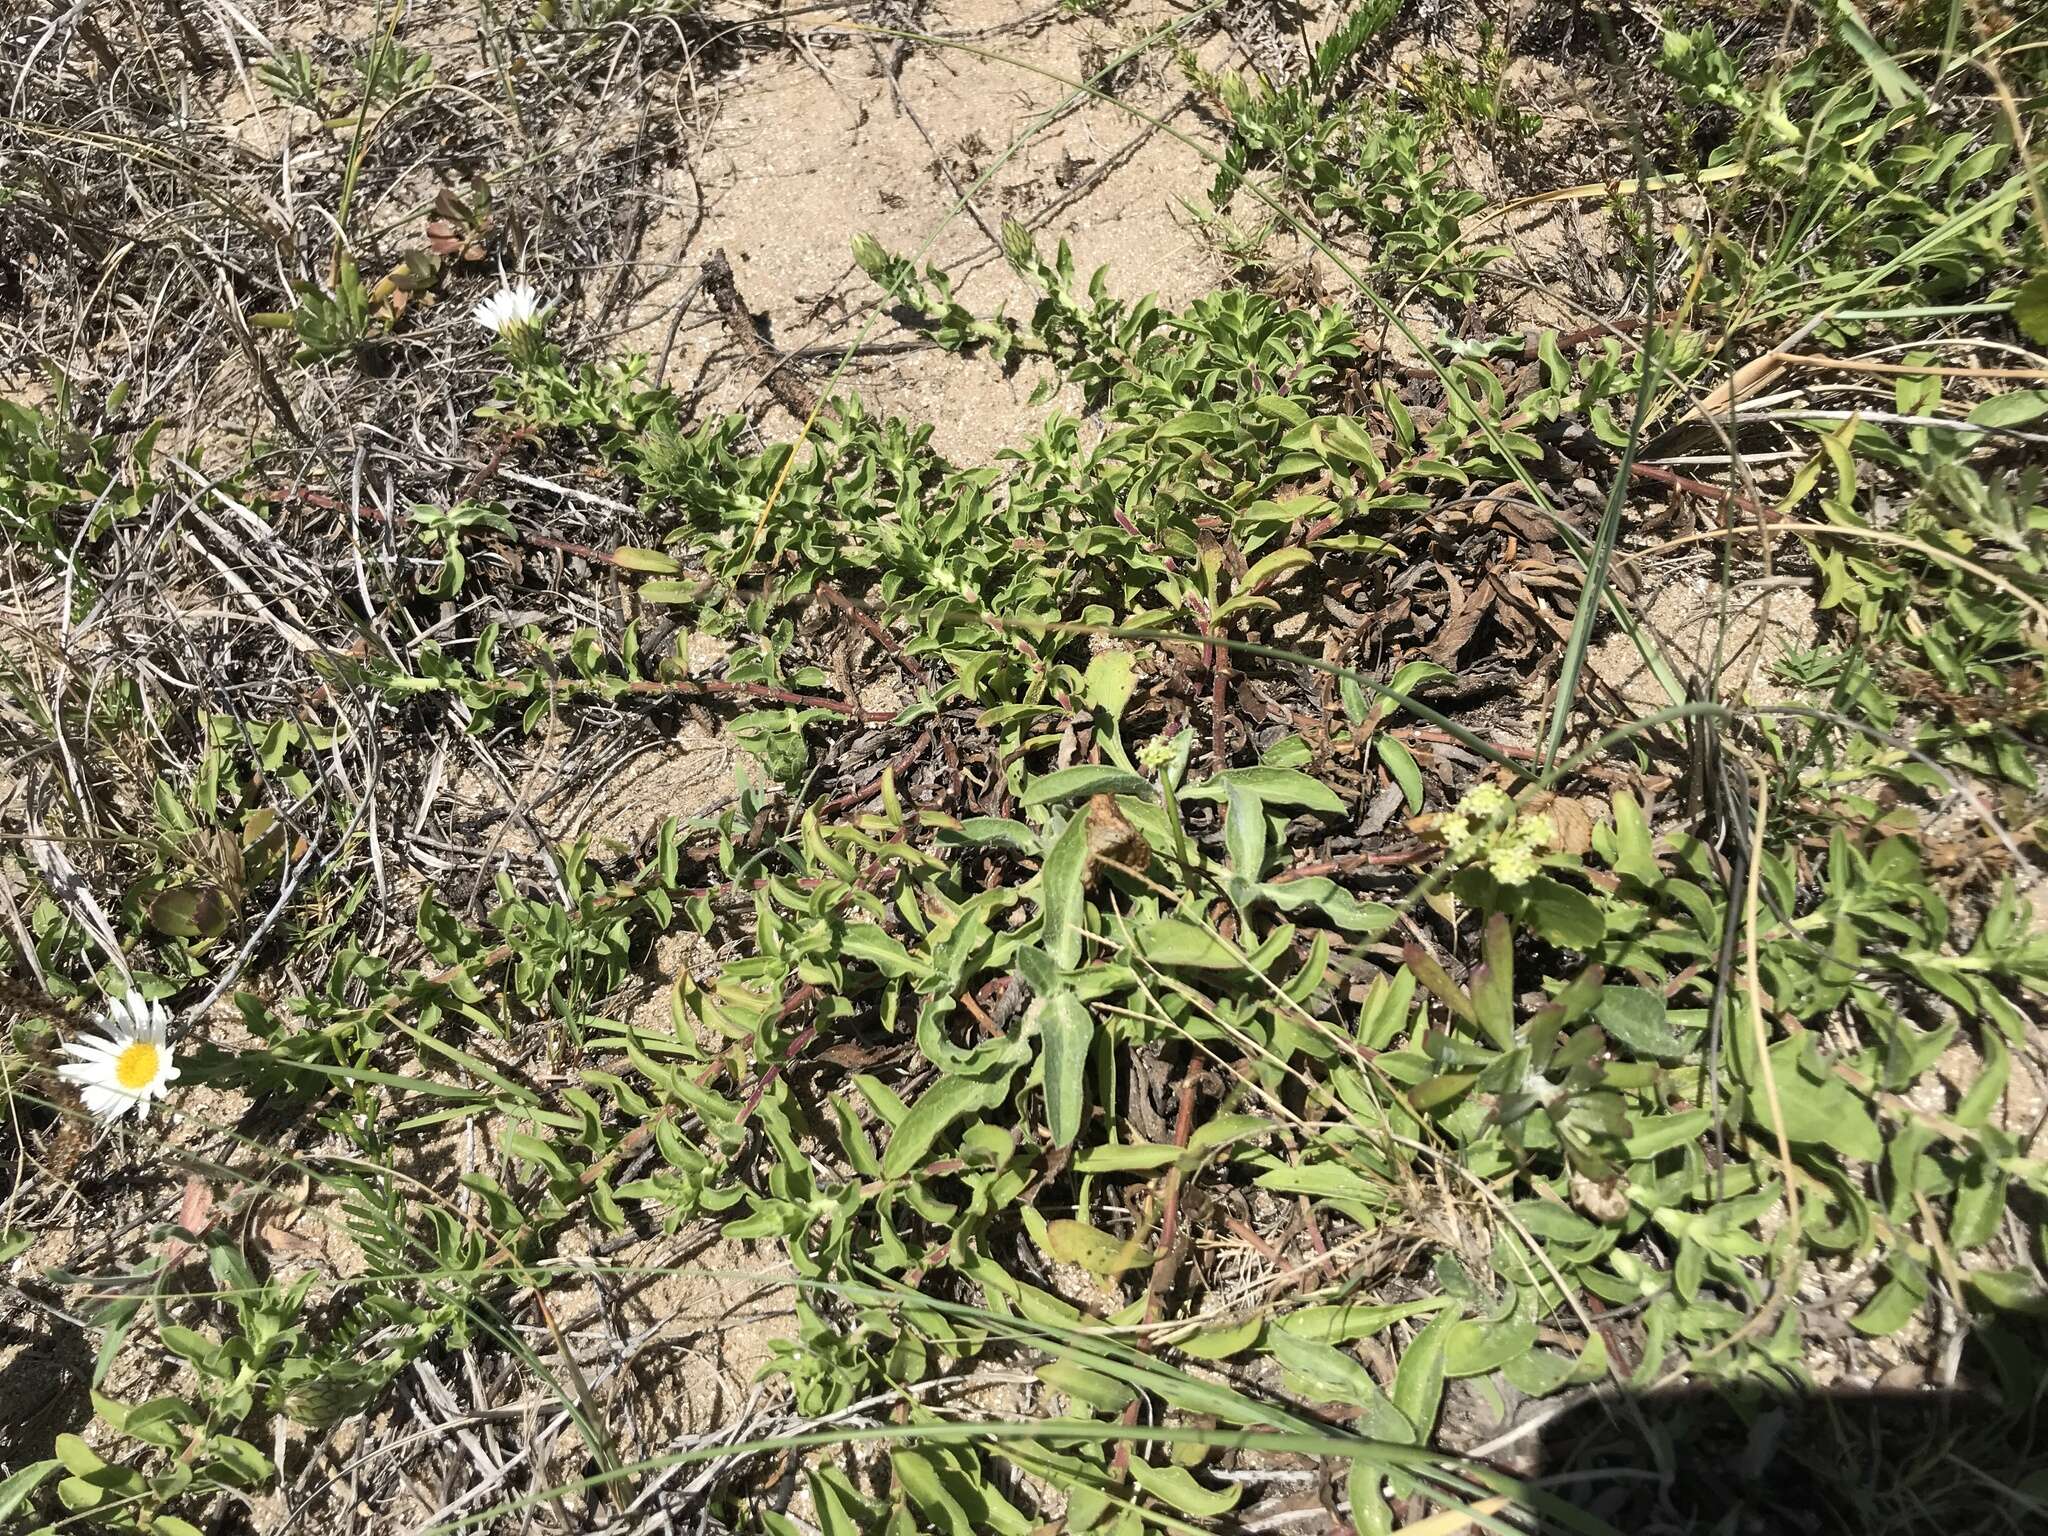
[127,1066]
[514,307]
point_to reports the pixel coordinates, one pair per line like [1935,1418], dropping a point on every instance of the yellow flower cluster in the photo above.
[1475,815]
[1484,829]
[1516,852]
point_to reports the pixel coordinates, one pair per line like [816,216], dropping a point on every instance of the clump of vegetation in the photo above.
[1193,939]
[1352,163]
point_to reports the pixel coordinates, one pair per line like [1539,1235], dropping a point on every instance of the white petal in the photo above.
[105,1103]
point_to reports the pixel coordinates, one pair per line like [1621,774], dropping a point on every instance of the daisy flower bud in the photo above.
[127,1065]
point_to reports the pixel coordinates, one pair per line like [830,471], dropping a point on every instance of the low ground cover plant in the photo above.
[1207,1001]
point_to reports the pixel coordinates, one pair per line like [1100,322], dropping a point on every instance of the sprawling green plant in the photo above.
[1554,1055]
[1353,163]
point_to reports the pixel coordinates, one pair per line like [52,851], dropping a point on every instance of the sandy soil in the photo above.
[833,137]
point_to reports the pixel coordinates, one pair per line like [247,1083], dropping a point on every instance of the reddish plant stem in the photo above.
[1445,738]
[1167,1266]
[882,637]
[903,657]
[809,1033]
[981,1015]
[712,687]
[488,472]
[1721,494]
[896,765]
[1349,861]
[1219,684]
[1315,1237]
[1253,1241]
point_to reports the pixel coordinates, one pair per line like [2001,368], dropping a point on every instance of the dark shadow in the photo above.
[1753,1459]
[45,1382]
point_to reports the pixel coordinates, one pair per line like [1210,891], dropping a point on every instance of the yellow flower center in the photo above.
[135,1067]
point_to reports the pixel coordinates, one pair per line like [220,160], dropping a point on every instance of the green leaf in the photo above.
[1632,848]
[1370,918]
[1895,1302]
[1272,567]
[1411,675]
[1898,86]
[1083,780]
[1637,1017]
[1425,968]
[649,562]
[937,1108]
[1492,983]
[1076,1242]
[1340,1322]
[184,1342]
[190,912]
[1137,1157]
[1479,1345]
[1244,834]
[1817,1109]
[1285,787]
[1979,1208]
[1174,941]
[671,591]
[1193,424]
[1419,1379]
[1091,1389]
[1365,1485]
[1540,1372]
[919,1474]
[2030,308]
[2010,1290]
[23,1481]
[1974,1108]
[1347,438]
[79,1459]
[1176,1486]
[2011,409]
[1109,682]
[1660,1133]
[1225,1130]
[1567,918]
[983,831]
[1063,894]
[1401,764]
[1444,1088]
[1067,1029]
[865,941]
[1327,1375]
[157,1422]
[1221,1341]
